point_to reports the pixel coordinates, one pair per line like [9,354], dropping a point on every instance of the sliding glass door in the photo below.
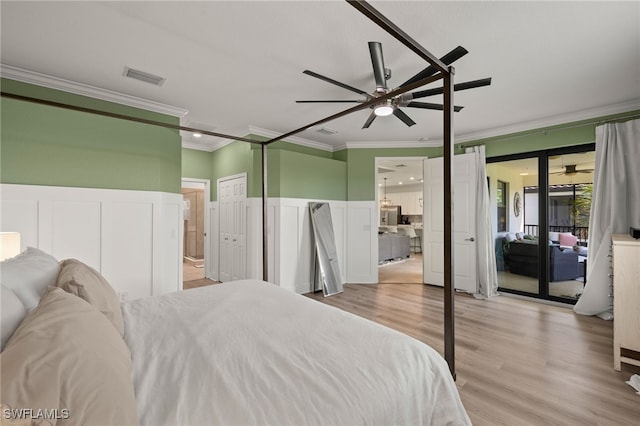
[540,203]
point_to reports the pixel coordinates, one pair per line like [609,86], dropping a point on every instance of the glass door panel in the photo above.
[513,189]
[569,205]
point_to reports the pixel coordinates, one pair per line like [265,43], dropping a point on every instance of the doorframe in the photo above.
[207,202]
[374,229]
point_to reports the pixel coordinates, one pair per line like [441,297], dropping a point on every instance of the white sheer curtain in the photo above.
[487,270]
[615,206]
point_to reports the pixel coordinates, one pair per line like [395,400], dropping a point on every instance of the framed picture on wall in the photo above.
[517,204]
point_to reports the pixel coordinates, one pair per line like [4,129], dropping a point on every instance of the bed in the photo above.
[239,353]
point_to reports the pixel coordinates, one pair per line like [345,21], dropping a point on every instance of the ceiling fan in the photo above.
[570,170]
[392,106]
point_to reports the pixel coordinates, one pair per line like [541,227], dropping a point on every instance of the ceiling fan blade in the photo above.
[404,117]
[329,101]
[449,58]
[456,87]
[427,105]
[369,120]
[375,49]
[337,83]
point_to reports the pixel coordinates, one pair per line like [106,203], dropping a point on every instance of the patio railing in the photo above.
[582,232]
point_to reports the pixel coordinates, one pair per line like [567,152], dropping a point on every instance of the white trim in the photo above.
[44,80]
[390,144]
[554,120]
[292,139]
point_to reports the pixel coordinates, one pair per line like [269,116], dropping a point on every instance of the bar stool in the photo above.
[415,242]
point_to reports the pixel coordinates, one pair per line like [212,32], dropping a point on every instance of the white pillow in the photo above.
[554,236]
[510,236]
[29,274]
[13,312]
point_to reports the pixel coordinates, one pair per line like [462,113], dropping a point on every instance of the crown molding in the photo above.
[586,114]
[196,146]
[38,79]
[388,144]
[292,139]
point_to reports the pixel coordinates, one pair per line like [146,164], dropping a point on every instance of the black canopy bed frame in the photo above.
[441,71]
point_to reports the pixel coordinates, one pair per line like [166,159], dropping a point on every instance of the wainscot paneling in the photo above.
[131,237]
[362,242]
[294,250]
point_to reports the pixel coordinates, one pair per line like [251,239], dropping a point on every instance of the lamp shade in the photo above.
[9,244]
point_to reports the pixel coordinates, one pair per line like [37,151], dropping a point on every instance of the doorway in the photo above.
[399,196]
[541,203]
[195,198]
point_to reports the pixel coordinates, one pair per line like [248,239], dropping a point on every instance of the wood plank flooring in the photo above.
[517,362]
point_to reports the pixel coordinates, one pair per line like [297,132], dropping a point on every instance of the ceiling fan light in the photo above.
[383,110]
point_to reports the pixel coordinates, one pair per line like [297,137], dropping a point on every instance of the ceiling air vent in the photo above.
[143,76]
[326,131]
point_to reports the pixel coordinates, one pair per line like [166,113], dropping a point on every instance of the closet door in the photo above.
[232,194]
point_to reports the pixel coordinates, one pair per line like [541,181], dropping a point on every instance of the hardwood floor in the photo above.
[517,362]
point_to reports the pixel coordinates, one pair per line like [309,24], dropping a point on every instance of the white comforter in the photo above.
[250,353]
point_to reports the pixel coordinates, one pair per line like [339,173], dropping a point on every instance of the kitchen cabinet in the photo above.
[410,202]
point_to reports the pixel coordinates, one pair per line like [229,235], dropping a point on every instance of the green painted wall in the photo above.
[299,173]
[569,134]
[42,145]
[361,167]
[361,184]
[196,164]
[306,176]
[230,160]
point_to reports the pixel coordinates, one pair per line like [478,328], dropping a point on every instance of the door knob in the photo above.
[470,239]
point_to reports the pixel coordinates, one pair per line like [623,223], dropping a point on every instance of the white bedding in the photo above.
[250,353]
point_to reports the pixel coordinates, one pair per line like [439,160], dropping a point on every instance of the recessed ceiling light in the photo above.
[411,178]
[400,183]
[197,135]
[524,174]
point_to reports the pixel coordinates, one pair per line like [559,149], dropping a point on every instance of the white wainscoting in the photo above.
[362,237]
[293,252]
[134,238]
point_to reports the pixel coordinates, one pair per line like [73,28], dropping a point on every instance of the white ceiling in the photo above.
[237,66]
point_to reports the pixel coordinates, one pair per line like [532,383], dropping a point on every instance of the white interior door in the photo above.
[464,228]
[232,196]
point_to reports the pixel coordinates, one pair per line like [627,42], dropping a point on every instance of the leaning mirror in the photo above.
[328,270]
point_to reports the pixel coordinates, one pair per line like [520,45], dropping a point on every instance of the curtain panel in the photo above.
[615,206]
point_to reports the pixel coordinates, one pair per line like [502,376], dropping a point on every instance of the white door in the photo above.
[232,196]
[464,227]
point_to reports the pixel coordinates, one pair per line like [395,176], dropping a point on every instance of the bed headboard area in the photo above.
[130,237]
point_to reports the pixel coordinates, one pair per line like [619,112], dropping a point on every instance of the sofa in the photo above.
[521,257]
[392,246]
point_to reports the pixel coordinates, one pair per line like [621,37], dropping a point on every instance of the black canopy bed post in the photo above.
[446,73]
[449,290]
[265,257]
